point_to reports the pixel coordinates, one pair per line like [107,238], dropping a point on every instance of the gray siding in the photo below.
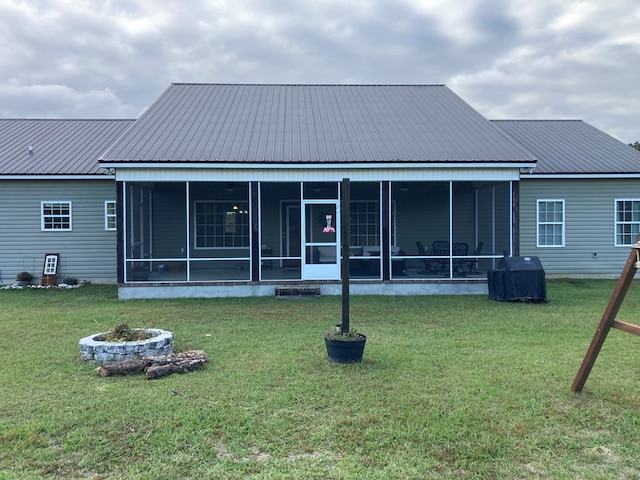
[88,252]
[589,224]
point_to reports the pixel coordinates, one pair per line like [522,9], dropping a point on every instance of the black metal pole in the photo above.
[345,210]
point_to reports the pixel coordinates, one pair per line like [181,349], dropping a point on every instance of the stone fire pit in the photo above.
[94,349]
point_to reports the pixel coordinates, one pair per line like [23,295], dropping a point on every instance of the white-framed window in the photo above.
[550,215]
[221,224]
[109,215]
[55,215]
[50,264]
[627,214]
[365,223]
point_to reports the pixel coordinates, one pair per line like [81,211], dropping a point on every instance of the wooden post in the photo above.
[345,212]
[609,318]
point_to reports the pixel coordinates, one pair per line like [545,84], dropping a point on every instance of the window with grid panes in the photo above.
[55,216]
[221,224]
[627,221]
[110,215]
[550,223]
[365,224]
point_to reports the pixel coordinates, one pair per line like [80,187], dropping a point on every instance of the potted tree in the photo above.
[24,278]
[344,344]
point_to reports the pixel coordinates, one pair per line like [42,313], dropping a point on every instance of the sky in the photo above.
[509,59]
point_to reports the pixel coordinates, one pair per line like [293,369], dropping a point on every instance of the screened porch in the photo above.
[239,232]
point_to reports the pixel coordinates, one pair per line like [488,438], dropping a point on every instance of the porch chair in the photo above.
[422,251]
[471,265]
[459,249]
[441,249]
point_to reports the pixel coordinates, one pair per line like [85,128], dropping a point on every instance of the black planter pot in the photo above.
[340,351]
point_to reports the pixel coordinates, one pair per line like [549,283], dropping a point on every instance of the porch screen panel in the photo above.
[502,214]
[220,234]
[280,231]
[420,214]
[365,230]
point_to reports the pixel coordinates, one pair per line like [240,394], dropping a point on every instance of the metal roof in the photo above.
[298,124]
[58,147]
[572,147]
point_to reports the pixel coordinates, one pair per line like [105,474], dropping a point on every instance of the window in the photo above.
[109,215]
[627,221]
[56,216]
[50,264]
[221,224]
[365,223]
[550,223]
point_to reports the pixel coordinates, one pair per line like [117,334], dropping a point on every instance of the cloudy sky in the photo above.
[526,59]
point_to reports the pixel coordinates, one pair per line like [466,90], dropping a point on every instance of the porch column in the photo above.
[515,216]
[255,232]
[120,232]
[385,217]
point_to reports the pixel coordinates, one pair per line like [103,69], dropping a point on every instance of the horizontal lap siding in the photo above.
[88,252]
[589,224]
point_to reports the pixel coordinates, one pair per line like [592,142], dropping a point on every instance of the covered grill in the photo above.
[518,278]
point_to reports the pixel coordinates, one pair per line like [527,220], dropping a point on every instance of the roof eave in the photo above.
[322,165]
[593,176]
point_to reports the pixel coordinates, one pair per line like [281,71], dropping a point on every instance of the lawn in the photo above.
[450,387]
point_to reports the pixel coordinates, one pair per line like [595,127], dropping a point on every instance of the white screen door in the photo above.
[321,253]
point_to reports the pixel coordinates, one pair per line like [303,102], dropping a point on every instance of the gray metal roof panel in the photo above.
[313,124]
[59,147]
[572,147]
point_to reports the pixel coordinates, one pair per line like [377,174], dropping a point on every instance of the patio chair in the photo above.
[459,249]
[470,266]
[422,251]
[440,248]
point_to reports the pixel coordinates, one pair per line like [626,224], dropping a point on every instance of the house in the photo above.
[237,190]
[580,206]
[55,198]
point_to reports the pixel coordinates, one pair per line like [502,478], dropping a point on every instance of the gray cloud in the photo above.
[507,58]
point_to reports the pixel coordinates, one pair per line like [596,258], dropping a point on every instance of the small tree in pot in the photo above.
[344,344]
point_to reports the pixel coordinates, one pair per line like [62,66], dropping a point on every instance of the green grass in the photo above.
[450,387]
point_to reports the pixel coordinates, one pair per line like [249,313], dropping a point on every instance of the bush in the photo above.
[24,277]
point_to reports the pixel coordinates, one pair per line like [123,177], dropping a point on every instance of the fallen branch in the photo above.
[156,367]
[127,367]
[157,371]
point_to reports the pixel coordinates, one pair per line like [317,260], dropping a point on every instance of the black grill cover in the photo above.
[518,278]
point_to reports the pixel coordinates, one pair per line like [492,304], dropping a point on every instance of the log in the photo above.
[158,366]
[178,357]
[126,367]
[184,366]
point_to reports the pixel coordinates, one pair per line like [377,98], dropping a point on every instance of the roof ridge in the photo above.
[69,119]
[537,120]
[314,84]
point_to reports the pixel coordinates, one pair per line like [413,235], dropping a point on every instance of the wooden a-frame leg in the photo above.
[608,318]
